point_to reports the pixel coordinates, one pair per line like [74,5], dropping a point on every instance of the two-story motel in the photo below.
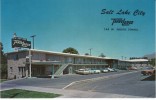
[55,63]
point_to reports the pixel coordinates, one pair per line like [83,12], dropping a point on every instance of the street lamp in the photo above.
[90,51]
[33,39]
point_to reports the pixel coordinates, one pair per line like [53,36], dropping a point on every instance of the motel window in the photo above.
[16,57]
[11,69]
[19,70]
[84,60]
[22,55]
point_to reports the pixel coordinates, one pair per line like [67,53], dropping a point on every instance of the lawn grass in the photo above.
[19,93]
[2,80]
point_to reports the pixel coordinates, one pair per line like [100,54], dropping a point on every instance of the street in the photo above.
[113,84]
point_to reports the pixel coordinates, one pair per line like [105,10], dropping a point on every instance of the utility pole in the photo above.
[122,57]
[90,51]
[33,36]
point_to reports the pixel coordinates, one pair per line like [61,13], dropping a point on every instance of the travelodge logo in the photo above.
[20,42]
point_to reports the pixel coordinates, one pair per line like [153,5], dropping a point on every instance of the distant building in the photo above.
[139,62]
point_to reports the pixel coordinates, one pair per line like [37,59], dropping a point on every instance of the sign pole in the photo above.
[30,63]
[22,43]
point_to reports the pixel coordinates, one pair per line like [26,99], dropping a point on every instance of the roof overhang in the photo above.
[137,60]
[44,62]
[59,63]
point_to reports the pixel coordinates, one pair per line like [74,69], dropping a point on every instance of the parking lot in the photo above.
[59,82]
[129,84]
[121,82]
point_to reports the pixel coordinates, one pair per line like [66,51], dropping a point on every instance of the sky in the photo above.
[59,24]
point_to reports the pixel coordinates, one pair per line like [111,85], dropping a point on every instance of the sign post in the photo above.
[22,43]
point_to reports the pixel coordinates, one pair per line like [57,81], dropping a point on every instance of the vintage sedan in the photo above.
[148,71]
[116,70]
[105,70]
[110,70]
[95,71]
[82,71]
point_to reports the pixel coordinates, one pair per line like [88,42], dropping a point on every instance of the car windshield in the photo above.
[148,68]
[81,69]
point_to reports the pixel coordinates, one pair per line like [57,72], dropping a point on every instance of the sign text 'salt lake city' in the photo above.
[122,20]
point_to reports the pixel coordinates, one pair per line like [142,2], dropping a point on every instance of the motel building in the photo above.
[35,63]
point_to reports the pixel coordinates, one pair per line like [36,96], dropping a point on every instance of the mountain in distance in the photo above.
[151,56]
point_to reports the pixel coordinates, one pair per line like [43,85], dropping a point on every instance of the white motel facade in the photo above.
[46,63]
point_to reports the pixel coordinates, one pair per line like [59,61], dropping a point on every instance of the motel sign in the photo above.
[20,42]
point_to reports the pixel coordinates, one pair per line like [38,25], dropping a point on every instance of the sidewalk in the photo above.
[76,93]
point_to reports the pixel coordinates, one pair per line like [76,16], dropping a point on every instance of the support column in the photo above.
[29,63]
[52,71]
[26,71]
[23,72]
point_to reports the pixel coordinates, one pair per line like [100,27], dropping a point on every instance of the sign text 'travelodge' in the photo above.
[123,21]
[19,42]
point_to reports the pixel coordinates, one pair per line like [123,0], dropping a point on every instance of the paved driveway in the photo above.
[57,83]
[116,84]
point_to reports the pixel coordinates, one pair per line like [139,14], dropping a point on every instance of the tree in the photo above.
[1,46]
[3,63]
[102,55]
[70,50]
[152,62]
[86,54]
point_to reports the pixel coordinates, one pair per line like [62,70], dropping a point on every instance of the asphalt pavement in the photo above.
[114,84]
[57,83]
[128,84]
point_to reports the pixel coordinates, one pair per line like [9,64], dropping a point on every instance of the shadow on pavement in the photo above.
[150,78]
[46,76]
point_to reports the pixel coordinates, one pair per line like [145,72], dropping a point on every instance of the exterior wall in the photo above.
[16,66]
[38,56]
[123,64]
[48,70]
[139,64]
[74,60]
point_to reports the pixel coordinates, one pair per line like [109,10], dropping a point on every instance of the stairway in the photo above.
[60,70]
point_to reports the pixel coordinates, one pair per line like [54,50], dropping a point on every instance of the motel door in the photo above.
[70,70]
[22,71]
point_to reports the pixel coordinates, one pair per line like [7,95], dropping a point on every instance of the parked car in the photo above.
[132,68]
[105,70]
[148,71]
[95,71]
[115,69]
[82,71]
[90,71]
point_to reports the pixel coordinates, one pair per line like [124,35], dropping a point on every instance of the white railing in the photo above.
[60,70]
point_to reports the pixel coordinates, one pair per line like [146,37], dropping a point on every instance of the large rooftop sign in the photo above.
[20,42]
